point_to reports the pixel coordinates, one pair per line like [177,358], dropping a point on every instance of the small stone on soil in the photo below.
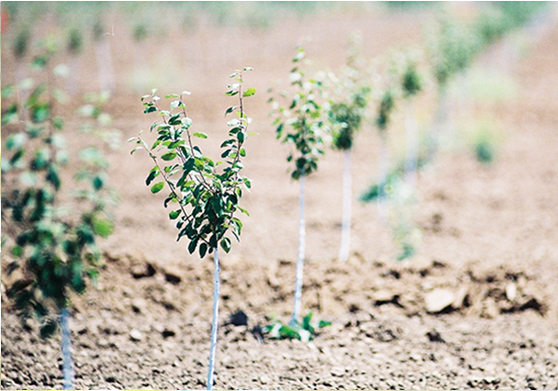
[438,300]
[136,336]
[434,336]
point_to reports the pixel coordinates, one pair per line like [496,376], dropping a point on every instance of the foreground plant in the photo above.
[51,227]
[304,331]
[204,199]
[303,124]
[346,115]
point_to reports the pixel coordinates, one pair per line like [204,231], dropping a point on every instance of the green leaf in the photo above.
[200,135]
[175,120]
[203,249]
[173,215]
[175,104]
[192,246]
[249,92]
[48,328]
[152,175]
[102,227]
[149,109]
[98,182]
[16,141]
[53,177]
[168,156]
[244,211]
[186,122]
[324,323]
[230,110]
[157,187]
[17,251]
[226,244]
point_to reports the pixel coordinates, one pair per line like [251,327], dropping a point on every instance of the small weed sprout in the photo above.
[52,229]
[304,331]
[483,142]
[302,123]
[204,198]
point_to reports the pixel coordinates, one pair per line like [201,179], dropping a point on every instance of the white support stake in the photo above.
[300,258]
[346,221]
[215,323]
[67,362]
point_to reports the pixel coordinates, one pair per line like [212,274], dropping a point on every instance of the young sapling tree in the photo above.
[302,123]
[346,115]
[74,47]
[411,85]
[204,198]
[53,229]
[451,49]
[385,109]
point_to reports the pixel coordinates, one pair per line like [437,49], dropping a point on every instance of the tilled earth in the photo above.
[156,335]
[474,309]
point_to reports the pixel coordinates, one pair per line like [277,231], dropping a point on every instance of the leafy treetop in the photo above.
[303,122]
[205,198]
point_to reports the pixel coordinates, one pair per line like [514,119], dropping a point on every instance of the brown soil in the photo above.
[489,247]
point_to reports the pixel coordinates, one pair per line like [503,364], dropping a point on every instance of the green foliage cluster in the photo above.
[411,81]
[75,41]
[303,331]
[206,199]
[52,229]
[140,32]
[456,44]
[453,50]
[303,123]
[348,112]
[483,143]
[21,43]
[394,175]
[385,108]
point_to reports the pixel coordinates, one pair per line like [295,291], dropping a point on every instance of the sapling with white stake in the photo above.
[411,85]
[303,124]
[451,49]
[385,109]
[204,198]
[346,115]
[53,236]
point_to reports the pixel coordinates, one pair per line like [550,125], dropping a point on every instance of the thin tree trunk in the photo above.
[411,131]
[347,195]
[67,363]
[139,67]
[300,258]
[21,95]
[73,78]
[383,177]
[440,122]
[104,65]
[215,323]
